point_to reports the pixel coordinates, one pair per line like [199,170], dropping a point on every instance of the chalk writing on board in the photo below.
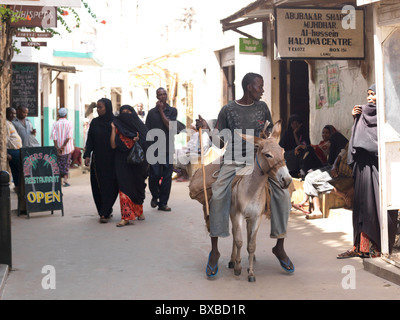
[24,87]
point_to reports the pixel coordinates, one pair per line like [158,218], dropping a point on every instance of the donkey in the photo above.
[250,194]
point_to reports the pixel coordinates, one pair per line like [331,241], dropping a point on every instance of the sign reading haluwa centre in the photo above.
[319,33]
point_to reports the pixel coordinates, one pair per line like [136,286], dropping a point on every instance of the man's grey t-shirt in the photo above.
[24,131]
[246,119]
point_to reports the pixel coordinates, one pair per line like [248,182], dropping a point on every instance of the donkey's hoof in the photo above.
[231,265]
[251,278]
[237,272]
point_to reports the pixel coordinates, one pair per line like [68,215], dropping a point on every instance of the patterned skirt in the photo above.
[63,163]
[129,209]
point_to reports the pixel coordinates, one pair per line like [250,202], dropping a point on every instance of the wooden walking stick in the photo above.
[203,169]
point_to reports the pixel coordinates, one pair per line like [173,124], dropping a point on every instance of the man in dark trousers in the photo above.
[161,122]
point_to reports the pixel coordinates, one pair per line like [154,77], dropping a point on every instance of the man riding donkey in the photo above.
[246,114]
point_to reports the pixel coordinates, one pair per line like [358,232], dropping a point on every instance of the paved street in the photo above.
[164,257]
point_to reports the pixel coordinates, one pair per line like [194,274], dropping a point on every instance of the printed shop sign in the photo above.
[41,179]
[42,3]
[320,33]
[41,17]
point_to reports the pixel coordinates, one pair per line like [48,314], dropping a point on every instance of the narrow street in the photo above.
[164,257]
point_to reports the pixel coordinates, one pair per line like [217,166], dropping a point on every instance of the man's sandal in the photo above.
[213,270]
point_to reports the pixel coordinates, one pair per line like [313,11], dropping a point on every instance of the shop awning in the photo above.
[258,11]
[58,68]
[262,11]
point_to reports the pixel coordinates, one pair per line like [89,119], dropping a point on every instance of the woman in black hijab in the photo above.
[102,174]
[295,135]
[128,129]
[363,157]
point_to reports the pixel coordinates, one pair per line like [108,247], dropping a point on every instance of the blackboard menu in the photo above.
[41,179]
[24,87]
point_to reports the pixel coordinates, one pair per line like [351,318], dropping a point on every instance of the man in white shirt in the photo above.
[62,135]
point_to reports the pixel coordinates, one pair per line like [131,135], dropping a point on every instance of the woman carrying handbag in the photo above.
[126,131]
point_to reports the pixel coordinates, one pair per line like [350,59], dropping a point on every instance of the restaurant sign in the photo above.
[41,17]
[320,33]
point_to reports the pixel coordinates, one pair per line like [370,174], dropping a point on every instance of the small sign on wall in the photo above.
[250,46]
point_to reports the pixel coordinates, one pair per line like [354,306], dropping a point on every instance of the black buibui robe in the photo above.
[102,173]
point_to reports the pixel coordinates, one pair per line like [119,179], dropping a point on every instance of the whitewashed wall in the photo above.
[353,87]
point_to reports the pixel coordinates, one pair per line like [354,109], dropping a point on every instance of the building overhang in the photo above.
[263,10]
[77,58]
[60,69]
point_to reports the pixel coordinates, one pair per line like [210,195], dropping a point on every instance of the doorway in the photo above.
[60,94]
[294,93]
[227,61]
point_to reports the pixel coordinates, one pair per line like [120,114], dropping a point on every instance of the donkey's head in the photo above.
[270,156]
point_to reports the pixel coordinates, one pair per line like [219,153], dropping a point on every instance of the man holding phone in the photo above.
[161,117]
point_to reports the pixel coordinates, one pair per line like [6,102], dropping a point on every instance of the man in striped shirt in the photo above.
[62,135]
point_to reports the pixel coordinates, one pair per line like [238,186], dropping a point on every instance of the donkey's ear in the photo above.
[276,130]
[264,134]
[252,139]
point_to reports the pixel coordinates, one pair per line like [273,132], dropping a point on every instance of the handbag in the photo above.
[136,155]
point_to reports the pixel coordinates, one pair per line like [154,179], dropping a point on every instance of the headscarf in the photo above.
[100,130]
[106,119]
[287,140]
[364,132]
[338,142]
[129,124]
[331,129]
[372,88]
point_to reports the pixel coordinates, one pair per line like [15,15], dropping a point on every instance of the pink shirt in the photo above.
[62,130]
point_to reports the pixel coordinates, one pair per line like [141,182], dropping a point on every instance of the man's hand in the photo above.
[334,172]
[201,123]
[160,106]
[87,161]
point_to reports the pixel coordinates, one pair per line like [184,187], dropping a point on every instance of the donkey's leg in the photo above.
[237,222]
[252,229]
[231,263]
